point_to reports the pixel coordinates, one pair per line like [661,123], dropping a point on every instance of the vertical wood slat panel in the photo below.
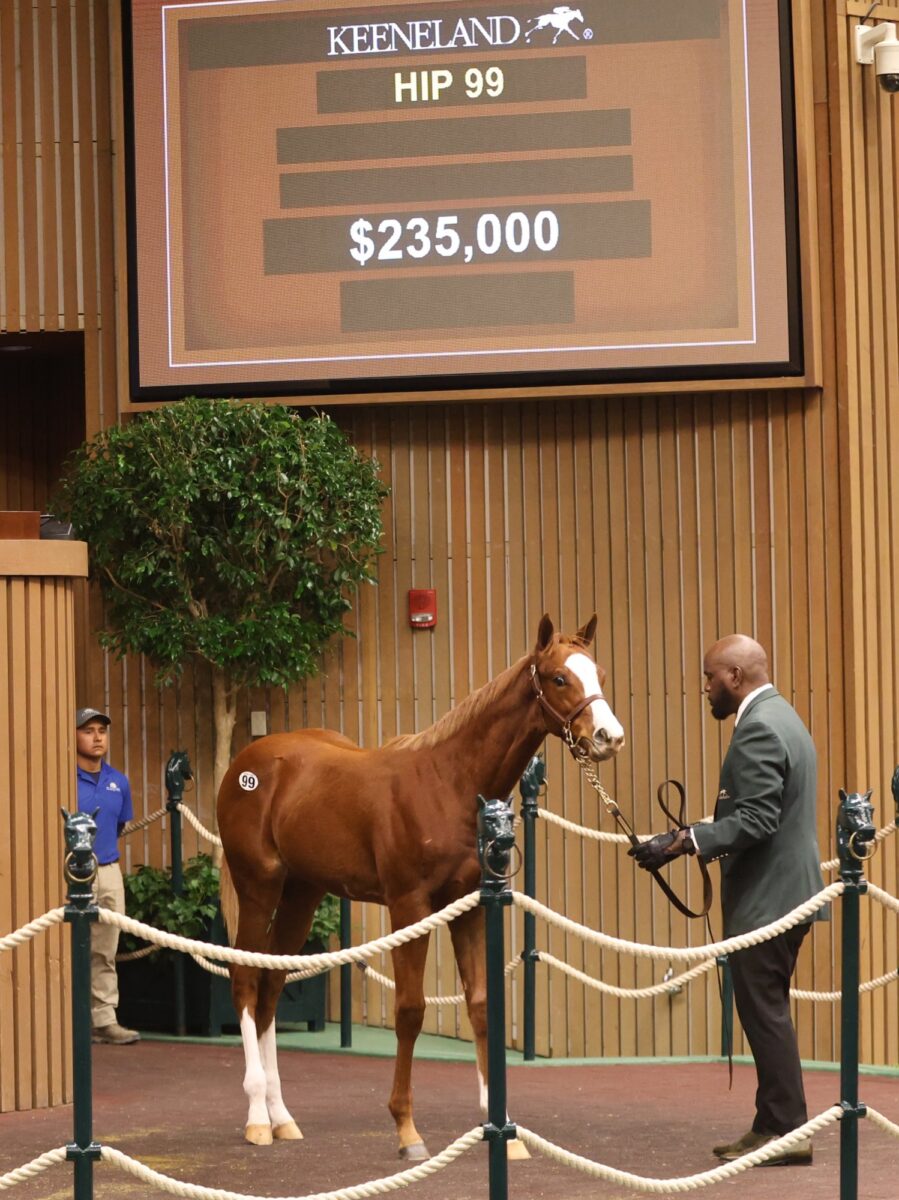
[36,616]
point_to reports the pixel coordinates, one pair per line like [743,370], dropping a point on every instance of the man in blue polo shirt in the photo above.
[107,792]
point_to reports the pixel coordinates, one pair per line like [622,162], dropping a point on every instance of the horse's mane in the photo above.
[464,712]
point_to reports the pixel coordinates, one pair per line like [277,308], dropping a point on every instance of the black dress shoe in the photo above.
[799,1155]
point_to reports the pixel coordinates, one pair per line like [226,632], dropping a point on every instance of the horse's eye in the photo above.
[559,680]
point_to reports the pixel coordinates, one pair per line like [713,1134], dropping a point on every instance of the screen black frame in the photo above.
[355,390]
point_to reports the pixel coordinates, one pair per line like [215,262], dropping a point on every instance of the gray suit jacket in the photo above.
[764,829]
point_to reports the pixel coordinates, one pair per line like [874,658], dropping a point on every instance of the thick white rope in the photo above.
[689,1183]
[387,982]
[198,825]
[375,1187]
[599,835]
[32,929]
[134,955]
[29,1170]
[882,1122]
[833,863]
[882,897]
[669,987]
[309,964]
[871,986]
[684,953]
[133,826]
[596,835]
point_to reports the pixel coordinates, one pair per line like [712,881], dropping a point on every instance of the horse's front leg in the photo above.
[468,935]
[409,1011]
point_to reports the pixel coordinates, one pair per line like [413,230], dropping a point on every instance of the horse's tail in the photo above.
[228,900]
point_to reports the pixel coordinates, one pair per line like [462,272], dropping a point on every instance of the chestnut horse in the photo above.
[301,814]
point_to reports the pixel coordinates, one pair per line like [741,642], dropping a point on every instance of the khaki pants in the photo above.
[110,893]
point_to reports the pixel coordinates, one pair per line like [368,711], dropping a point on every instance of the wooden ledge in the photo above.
[36,557]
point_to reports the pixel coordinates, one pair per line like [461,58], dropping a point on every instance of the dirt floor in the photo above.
[179,1108]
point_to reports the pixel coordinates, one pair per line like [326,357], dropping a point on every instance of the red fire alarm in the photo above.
[422,608]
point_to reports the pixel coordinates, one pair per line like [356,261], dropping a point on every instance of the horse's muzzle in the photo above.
[599,748]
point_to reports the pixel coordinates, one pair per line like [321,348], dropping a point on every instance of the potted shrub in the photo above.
[147,986]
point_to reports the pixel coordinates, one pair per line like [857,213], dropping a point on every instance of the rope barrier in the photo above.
[310,964]
[390,984]
[883,897]
[134,955]
[32,929]
[134,826]
[870,986]
[198,825]
[599,835]
[29,1170]
[688,1183]
[685,953]
[882,1122]
[375,1187]
[668,988]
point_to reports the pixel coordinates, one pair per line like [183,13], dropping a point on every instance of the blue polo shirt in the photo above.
[110,791]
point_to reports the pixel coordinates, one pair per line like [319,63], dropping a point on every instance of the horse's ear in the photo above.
[586,632]
[545,633]
[64,811]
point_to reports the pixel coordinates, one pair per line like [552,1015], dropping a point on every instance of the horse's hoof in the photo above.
[516,1149]
[415,1152]
[288,1132]
[259,1135]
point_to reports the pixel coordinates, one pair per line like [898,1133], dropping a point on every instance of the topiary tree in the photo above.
[228,532]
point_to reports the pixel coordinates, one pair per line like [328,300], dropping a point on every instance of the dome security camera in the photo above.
[878,44]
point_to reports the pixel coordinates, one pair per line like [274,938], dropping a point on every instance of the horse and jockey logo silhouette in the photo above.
[559,19]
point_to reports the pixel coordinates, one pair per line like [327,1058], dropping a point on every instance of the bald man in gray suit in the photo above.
[764,833]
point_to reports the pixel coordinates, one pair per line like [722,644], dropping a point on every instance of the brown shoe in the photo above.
[799,1155]
[114,1035]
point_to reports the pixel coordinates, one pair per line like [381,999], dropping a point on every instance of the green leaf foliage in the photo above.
[226,530]
[149,898]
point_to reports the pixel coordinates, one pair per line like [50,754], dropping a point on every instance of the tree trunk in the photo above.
[224,704]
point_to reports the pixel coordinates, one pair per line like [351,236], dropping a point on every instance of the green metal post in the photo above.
[80,911]
[494,849]
[851,872]
[532,781]
[177,769]
[346,978]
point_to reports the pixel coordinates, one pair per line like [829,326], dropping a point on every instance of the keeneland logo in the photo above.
[559,19]
[464,33]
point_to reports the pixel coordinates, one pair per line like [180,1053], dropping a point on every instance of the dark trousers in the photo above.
[761,978]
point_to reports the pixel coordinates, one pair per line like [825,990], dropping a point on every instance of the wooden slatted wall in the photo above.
[677,517]
[36,777]
[865,184]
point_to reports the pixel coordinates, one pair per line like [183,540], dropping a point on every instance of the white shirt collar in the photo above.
[747,700]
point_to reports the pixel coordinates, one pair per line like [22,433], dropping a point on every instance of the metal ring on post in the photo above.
[871,846]
[499,874]
[70,878]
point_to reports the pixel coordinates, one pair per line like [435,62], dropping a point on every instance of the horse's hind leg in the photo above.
[408,971]
[296,909]
[256,906]
[468,936]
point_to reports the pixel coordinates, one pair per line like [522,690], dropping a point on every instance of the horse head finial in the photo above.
[855,830]
[80,867]
[496,836]
[177,771]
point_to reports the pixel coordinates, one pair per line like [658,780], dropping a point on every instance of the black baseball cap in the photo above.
[83,715]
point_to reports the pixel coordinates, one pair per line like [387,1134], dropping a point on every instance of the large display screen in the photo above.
[324,196]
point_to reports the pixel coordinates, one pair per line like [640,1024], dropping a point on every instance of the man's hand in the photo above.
[659,850]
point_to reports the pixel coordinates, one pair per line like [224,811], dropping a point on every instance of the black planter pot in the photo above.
[147,995]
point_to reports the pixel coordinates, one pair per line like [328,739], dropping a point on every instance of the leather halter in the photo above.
[564,722]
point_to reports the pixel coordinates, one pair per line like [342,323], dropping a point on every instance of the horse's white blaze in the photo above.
[603,717]
[274,1102]
[254,1076]
[482,1092]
